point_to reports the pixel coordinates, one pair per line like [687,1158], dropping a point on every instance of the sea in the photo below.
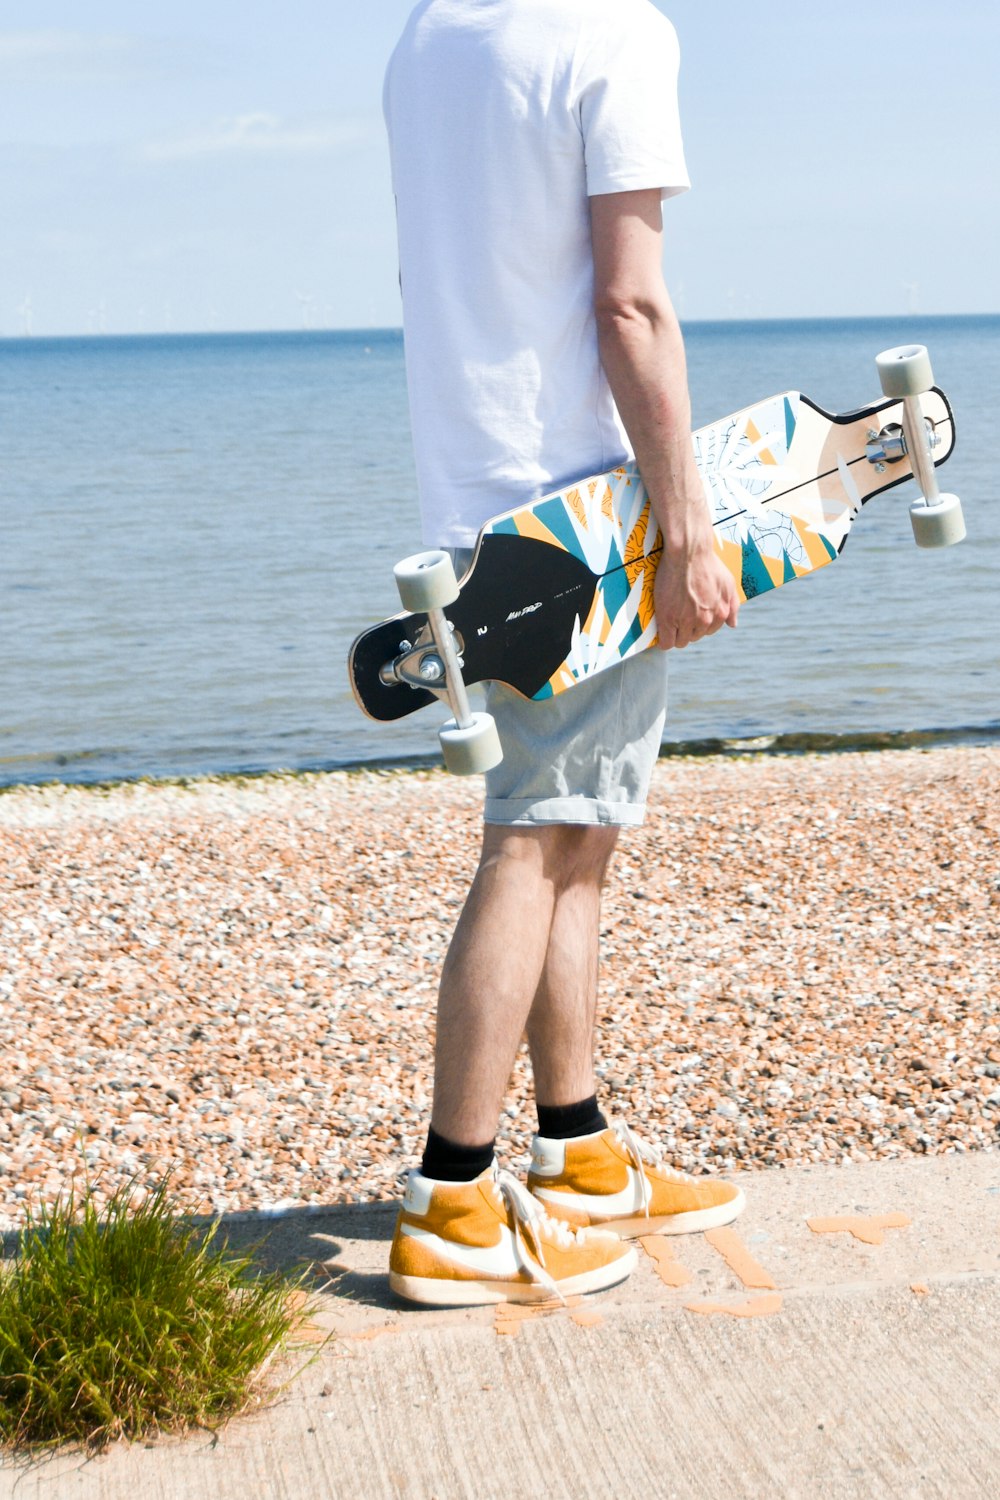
[193,528]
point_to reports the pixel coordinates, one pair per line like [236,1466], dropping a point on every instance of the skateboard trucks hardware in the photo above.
[427,585]
[889,445]
[447,667]
[420,665]
[906,375]
[431,669]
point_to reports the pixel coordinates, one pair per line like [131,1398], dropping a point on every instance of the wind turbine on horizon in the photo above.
[307,303]
[912,290]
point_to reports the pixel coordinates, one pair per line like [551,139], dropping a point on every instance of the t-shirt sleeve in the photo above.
[628,108]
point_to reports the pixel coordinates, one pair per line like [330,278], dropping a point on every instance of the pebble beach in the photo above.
[230,984]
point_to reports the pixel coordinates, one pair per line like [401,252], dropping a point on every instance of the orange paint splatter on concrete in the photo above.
[753,1307]
[510,1315]
[587,1317]
[920,1287]
[365,1335]
[739,1260]
[869,1230]
[668,1267]
[517,1313]
[514,1313]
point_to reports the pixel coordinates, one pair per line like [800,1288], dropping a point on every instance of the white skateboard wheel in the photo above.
[905,371]
[937,525]
[426,581]
[475,748]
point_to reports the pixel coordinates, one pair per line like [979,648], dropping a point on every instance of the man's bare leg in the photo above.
[525,945]
[561,1021]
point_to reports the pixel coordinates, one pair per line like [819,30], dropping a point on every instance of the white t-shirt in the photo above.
[504,116]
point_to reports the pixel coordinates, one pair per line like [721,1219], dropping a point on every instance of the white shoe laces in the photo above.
[640,1152]
[531,1226]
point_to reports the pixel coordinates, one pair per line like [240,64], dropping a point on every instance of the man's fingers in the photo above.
[676,637]
[696,618]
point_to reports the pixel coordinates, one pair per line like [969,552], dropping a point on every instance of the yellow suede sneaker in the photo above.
[461,1244]
[612,1179]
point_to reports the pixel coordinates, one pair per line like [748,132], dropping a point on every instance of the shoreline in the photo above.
[791,743]
[231,981]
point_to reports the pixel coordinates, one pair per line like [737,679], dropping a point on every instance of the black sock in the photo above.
[564,1122]
[446,1161]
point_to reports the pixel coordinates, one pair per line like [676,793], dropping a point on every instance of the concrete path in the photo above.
[855,1360]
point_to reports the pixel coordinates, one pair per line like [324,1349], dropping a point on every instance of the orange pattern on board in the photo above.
[528,524]
[732,555]
[637,562]
[598,614]
[754,434]
[575,502]
[633,559]
[815,550]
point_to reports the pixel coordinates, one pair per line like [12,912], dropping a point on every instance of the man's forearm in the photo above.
[642,352]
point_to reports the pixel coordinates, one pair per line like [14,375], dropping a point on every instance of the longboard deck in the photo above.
[563,588]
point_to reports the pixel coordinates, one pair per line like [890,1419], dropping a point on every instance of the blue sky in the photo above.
[199,166]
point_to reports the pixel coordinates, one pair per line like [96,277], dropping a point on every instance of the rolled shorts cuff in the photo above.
[586,810]
[584,756]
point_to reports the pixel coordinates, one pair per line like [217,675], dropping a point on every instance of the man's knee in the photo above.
[562,854]
[586,852]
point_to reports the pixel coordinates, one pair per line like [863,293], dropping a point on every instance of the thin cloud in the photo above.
[33,56]
[258,134]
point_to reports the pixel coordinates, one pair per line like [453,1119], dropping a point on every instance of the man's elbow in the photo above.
[623,315]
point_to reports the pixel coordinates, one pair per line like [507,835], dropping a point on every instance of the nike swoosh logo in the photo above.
[490,1260]
[628,1201]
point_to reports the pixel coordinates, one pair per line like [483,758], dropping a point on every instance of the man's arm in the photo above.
[642,352]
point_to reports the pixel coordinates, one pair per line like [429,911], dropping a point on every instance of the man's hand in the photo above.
[695,595]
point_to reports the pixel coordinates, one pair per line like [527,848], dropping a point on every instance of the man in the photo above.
[532,144]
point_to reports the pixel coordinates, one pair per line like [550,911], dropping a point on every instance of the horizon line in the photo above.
[396,328]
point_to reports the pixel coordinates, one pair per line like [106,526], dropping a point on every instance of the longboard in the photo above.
[563,588]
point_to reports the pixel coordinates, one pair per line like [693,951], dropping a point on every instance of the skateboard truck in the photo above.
[420,664]
[427,585]
[889,445]
[906,375]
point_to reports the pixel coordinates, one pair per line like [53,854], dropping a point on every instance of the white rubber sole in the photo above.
[635,1225]
[433,1291]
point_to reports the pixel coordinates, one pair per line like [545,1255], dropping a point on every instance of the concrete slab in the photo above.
[862,1370]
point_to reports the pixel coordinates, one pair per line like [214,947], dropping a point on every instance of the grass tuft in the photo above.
[129,1322]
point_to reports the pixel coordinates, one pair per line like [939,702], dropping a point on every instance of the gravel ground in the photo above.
[234,981]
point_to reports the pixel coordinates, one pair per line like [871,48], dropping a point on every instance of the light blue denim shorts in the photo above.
[584,757]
